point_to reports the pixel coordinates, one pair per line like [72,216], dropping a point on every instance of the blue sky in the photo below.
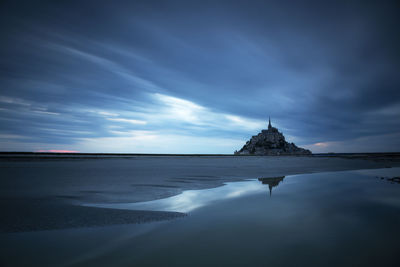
[198,76]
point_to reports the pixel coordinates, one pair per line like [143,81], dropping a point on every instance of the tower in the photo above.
[269,123]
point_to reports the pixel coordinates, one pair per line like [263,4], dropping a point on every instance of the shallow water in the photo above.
[191,200]
[347,218]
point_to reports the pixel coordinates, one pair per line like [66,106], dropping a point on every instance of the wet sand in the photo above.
[44,193]
[347,218]
[25,215]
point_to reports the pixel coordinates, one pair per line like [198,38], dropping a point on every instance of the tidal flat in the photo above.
[211,210]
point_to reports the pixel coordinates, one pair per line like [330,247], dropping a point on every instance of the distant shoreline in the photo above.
[18,156]
[5,153]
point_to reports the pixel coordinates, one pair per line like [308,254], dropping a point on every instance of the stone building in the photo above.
[270,142]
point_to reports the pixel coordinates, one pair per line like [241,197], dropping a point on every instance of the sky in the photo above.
[198,76]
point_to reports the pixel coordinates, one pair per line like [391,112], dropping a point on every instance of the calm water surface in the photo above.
[328,219]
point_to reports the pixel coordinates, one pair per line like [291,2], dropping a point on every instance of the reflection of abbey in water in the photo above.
[271,182]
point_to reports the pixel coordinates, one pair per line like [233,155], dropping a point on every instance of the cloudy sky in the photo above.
[198,76]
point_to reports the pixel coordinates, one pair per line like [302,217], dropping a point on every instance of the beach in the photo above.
[206,210]
[35,189]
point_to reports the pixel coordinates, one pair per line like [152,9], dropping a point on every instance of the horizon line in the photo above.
[179,154]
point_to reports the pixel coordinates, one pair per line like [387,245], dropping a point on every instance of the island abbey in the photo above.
[270,142]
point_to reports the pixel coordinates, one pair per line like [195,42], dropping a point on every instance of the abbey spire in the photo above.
[269,123]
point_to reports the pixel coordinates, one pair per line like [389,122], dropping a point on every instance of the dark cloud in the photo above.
[324,71]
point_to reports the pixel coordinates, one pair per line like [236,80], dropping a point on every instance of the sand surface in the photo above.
[39,193]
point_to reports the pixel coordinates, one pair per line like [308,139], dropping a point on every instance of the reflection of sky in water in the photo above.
[348,218]
[192,199]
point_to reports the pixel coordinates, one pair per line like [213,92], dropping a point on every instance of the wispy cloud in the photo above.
[128,121]
[107,64]
[180,110]
[15,101]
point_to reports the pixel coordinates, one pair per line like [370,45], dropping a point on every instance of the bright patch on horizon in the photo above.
[321,144]
[57,151]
